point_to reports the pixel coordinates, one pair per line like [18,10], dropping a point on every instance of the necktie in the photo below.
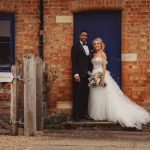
[84,43]
[86,49]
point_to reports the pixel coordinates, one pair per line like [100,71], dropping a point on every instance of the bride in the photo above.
[109,102]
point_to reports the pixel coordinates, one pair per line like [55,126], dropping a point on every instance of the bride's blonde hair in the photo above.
[100,41]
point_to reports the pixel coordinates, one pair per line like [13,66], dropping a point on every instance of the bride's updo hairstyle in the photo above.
[100,41]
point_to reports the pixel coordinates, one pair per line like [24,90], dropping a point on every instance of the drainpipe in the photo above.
[41,6]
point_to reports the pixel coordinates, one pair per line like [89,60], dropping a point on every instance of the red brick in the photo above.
[7,86]
[58,40]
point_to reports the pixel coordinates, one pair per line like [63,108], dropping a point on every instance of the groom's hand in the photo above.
[77,78]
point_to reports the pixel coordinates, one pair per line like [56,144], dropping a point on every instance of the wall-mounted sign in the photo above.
[6,77]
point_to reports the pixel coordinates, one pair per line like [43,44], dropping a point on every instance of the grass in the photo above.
[55,119]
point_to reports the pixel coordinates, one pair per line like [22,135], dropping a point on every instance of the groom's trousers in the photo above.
[80,98]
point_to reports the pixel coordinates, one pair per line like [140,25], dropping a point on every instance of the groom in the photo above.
[81,64]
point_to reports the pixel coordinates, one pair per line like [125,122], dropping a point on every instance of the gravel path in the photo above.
[78,140]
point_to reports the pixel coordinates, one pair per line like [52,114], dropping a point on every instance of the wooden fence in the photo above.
[14,102]
[33,95]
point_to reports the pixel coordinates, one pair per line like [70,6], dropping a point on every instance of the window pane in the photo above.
[4,42]
[5,28]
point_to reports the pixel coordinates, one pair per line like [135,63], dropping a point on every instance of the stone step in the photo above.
[92,125]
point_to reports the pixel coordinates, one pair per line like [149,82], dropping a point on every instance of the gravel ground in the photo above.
[78,140]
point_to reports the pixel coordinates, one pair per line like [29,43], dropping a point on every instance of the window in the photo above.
[7,41]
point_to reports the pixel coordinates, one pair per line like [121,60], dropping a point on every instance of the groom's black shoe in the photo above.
[87,117]
[76,119]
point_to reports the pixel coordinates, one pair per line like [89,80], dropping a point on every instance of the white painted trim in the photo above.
[64,19]
[129,57]
[64,105]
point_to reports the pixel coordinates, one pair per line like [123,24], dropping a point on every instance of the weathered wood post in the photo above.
[30,126]
[14,102]
[39,91]
[33,94]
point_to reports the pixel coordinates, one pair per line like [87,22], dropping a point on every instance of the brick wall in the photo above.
[4,101]
[136,40]
[26,37]
[57,44]
[58,39]
[26,23]
[135,45]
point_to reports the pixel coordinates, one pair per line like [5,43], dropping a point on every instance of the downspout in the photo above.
[40,48]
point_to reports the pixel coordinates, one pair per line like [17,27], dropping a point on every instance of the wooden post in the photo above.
[14,102]
[29,95]
[39,91]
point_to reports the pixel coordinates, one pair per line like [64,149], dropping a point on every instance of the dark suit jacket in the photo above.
[81,63]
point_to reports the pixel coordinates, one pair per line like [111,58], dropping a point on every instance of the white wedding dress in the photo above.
[111,104]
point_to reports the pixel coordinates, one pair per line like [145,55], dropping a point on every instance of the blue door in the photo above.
[106,25]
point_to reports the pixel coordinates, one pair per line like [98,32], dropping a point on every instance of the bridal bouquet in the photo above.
[96,79]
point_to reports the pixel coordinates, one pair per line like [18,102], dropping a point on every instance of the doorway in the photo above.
[106,25]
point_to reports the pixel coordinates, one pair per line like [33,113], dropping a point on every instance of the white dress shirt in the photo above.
[86,49]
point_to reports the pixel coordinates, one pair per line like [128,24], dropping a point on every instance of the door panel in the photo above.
[106,25]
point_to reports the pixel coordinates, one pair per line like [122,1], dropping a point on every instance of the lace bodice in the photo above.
[97,64]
